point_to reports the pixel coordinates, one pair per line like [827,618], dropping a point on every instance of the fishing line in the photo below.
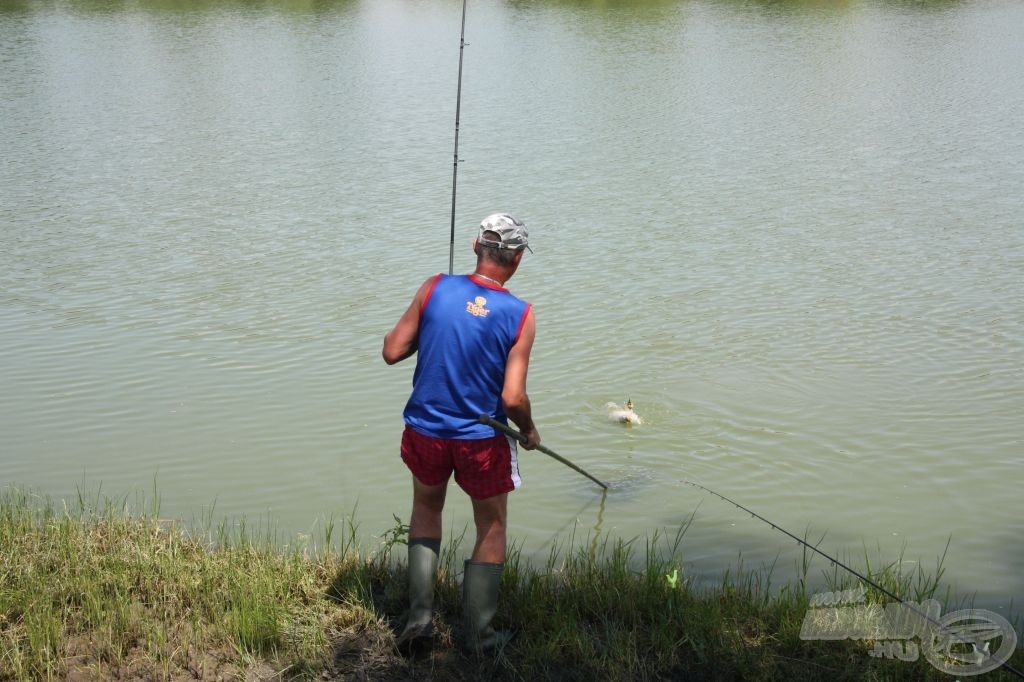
[864,578]
[455,159]
[490,421]
[574,522]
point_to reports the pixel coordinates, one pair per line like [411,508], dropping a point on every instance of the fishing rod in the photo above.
[455,159]
[484,419]
[982,650]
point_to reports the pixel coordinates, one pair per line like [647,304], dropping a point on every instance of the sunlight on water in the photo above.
[789,232]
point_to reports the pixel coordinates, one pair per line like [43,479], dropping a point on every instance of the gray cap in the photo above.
[511,231]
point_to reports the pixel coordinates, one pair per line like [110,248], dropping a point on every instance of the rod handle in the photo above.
[490,421]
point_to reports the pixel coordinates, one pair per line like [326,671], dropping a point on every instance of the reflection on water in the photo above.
[622,10]
[179,6]
[788,231]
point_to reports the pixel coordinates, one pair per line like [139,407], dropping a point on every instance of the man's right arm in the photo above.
[403,340]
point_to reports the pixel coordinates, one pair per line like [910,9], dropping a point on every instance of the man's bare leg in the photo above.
[490,516]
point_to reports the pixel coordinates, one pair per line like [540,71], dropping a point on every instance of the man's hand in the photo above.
[532,438]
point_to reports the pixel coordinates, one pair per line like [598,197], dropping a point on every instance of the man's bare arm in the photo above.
[513,394]
[403,340]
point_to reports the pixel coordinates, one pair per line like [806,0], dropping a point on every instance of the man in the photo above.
[474,339]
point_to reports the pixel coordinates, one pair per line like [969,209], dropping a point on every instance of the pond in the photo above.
[790,232]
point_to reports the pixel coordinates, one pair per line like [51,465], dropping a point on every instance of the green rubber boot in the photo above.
[419,628]
[480,585]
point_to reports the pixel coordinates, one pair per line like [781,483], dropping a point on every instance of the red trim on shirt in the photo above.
[522,323]
[430,291]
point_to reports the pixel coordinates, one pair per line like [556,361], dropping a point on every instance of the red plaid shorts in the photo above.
[483,468]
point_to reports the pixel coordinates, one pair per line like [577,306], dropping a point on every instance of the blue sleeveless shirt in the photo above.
[467,328]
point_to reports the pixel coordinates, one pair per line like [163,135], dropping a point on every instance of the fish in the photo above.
[623,415]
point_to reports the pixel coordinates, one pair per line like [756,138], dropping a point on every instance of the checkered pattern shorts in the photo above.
[483,468]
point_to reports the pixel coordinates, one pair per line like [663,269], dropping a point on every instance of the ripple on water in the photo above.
[814,307]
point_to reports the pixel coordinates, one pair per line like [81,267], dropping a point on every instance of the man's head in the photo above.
[502,239]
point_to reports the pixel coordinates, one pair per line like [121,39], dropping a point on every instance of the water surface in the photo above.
[789,231]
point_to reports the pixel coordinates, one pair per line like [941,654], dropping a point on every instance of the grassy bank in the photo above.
[98,593]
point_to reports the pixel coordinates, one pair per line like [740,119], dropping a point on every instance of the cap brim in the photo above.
[491,244]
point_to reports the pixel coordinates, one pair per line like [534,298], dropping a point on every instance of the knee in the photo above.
[429,504]
[427,511]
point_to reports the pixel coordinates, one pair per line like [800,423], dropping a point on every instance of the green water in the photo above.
[791,232]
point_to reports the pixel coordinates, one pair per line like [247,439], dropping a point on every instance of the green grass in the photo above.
[93,591]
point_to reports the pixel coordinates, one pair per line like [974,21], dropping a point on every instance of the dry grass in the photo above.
[95,593]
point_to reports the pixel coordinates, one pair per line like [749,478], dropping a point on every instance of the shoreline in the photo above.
[98,592]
